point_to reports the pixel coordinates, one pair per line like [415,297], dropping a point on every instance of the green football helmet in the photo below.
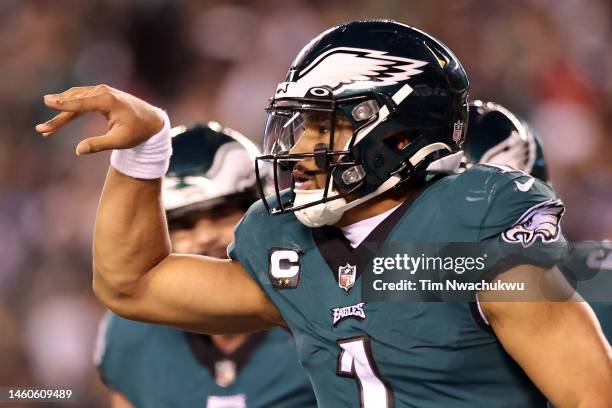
[211,165]
[497,136]
[378,80]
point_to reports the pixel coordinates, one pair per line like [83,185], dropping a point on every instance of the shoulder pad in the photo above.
[519,206]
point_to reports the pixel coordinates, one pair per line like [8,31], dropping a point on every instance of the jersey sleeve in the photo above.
[522,223]
[101,352]
[238,249]
[100,345]
[258,238]
[251,237]
[117,352]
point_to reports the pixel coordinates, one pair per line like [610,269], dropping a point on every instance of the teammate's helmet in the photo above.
[380,79]
[210,166]
[497,136]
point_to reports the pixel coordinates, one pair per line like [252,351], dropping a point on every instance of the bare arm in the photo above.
[560,345]
[135,274]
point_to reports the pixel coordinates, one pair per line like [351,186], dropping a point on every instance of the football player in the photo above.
[369,120]
[208,187]
[588,267]
[497,136]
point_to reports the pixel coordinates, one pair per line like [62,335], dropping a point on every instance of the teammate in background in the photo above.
[370,119]
[208,187]
[497,136]
[589,267]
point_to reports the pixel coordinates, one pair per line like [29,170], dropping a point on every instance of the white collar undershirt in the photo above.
[357,232]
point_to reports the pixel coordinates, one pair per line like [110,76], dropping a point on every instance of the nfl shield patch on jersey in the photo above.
[346,276]
[225,372]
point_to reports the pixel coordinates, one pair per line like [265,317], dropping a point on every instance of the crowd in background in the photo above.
[548,60]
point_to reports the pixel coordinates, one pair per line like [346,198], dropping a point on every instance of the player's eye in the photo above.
[323,130]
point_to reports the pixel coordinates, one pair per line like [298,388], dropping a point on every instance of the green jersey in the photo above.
[157,366]
[385,354]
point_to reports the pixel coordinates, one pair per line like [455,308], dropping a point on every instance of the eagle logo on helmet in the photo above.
[346,68]
[541,220]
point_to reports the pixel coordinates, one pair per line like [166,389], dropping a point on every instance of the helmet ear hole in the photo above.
[399,141]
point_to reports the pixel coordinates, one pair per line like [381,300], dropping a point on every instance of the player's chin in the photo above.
[304,184]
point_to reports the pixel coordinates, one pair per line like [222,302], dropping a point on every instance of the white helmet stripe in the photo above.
[397,97]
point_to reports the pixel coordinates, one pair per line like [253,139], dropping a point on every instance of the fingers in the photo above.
[80,91]
[73,103]
[96,144]
[56,123]
[76,91]
[81,99]
[128,118]
[101,102]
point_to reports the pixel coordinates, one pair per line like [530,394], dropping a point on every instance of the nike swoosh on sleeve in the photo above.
[524,187]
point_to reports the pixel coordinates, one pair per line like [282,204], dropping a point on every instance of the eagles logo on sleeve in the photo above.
[542,220]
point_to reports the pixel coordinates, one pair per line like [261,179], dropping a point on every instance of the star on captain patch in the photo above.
[282,282]
[346,276]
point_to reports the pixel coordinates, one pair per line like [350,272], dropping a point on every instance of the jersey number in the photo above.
[355,360]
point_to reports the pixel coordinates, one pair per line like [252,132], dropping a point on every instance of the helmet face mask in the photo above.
[397,99]
[300,139]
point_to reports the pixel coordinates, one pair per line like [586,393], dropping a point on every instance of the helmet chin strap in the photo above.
[330,212]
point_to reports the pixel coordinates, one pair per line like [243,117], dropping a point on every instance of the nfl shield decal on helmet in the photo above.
[346,276]
[457,131]
[225,372]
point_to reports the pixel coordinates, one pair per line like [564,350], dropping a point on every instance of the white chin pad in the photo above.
[321,214]
[330,213]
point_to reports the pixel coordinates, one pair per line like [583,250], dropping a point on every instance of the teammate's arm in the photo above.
[135,274]
[560,344]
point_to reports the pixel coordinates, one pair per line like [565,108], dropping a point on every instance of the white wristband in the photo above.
[148,160]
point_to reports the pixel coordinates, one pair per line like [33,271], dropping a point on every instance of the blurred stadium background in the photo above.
[548,60]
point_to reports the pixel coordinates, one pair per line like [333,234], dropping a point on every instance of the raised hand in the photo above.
[130,120]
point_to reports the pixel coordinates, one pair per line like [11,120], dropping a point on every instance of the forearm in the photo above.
[134,275]
[130,235]
[568,358]
[601,401]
